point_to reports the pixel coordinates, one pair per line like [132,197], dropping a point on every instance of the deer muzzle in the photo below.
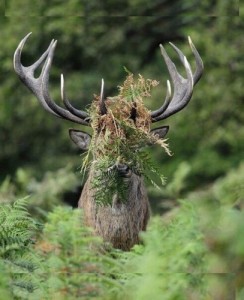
[124,170]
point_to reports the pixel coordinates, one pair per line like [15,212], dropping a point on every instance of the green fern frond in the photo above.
[16,226]
[17,230]
[117,137]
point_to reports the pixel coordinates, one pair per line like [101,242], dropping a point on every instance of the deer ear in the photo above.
[80,138]
[160,132]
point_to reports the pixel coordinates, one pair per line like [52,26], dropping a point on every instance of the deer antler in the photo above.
[183,88]
[103,108]
[39,86]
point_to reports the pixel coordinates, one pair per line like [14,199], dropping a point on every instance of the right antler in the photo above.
[183,88]
[39,86]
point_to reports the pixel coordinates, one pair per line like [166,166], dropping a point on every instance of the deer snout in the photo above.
[124,170]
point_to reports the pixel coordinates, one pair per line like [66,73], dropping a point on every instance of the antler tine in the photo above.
[103,109]
[199,63]
[182,95]
[178,82]
[182,87]
[44,87]
[162,109]
[26,73]
[39,86]
[79,113]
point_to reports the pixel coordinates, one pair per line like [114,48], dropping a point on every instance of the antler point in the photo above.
[163,51]
[169,88]
[102,88]
[190,42]
[62,87]
[62,79]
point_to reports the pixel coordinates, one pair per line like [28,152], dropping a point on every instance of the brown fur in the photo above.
[120,223]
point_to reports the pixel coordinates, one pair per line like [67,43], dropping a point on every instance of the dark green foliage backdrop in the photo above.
[96,40]
[206,135]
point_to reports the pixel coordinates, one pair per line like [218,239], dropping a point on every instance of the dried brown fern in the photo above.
[124,129]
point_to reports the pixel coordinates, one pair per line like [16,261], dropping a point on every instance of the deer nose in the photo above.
[124,170]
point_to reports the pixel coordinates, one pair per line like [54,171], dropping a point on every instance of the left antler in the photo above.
[183,88]
[39,86]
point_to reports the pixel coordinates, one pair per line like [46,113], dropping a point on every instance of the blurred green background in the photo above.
[196,250]
[96,40]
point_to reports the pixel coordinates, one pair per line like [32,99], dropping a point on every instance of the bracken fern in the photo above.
[17,233]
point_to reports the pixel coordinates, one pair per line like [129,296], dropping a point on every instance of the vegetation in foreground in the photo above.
[194,252]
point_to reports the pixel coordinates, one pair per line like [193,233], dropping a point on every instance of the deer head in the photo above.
[121,222]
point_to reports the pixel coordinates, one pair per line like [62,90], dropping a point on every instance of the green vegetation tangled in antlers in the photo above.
[119,137]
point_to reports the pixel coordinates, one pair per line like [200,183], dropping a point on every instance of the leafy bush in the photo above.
[46,193]
[75,262]
[18,260]
[65,262]
[193,252]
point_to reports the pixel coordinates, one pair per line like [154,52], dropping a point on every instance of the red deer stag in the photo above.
[121,222]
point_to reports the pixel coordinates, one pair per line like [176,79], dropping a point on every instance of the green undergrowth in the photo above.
[193,252]
[65,262]
[18,259]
